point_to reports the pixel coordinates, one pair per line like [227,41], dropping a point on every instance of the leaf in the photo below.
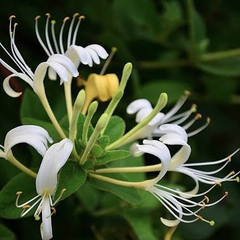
[112,156]
[32,107]
[71,178]
[6,234]
[23,183]
[128,194]
[228,67]
[115,128]
[141,224]
[173,88]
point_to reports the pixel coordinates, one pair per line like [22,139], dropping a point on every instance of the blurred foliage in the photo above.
[174,45]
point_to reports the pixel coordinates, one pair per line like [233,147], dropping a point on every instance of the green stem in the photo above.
[45,103]
[152,168]
[20,166]
[162,101]
[142,185]
[68,98]
[99,126]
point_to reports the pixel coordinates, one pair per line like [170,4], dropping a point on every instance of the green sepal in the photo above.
[97,151]
[112,156]
[115,128]
[128,194]
[71,178]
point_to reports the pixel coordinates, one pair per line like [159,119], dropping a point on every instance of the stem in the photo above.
[50,113]
[170,233]
[76,111]
[99,126]
[141,185]
[20,166]
[152,168]
[68,98]
[162,101]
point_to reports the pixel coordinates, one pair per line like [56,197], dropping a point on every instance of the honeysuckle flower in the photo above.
[46,184]
[62,65]
[181,207]
[143,108]
[85,55]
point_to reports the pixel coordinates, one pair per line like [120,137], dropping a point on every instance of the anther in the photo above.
[204,205]
[226,194]
[198,116]
[218,183]
[187,93]
[208,120]
[63,191]
[37,17]
[48,15]
[11,17]
[207,199]
[19,192]
[26,206]
[66,19]
[75,15]
[53,210]
[81,17]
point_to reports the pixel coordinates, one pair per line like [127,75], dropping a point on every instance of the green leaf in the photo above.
[115,128]
[112,156]
[71,178]
[128,194]
[32,107]
[6,234]
[141,224]
[23,183]
[174,89]
[88,195]
[224,67]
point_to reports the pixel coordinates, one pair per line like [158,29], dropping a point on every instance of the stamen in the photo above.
[61,34]
[70,30]
[207,199]
[39,37]
[113,50]
[76,29]
[199,129]
[47,35]
[53,22]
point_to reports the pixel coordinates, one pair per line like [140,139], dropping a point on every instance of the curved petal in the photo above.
[7,87]
[66,63]
[101,52]
[138,104]
[159,150]
[173,128]
[55,157]
[79,55]
[94,55]
[35,136]
[46,226]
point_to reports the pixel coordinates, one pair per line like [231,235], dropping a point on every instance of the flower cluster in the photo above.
[91,149]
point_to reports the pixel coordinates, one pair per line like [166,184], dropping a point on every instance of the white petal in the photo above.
[55,157]
[66,63]
[159,150]
[7,87]
[46,226]
[79,55]
[138,104]
[101,52]
[94,55]
[173,128]
[35,136]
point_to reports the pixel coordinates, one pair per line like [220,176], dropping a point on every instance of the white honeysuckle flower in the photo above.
[61,64]
[46,183]
[143,108]
[178,202]
[33,135]
[77,54]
